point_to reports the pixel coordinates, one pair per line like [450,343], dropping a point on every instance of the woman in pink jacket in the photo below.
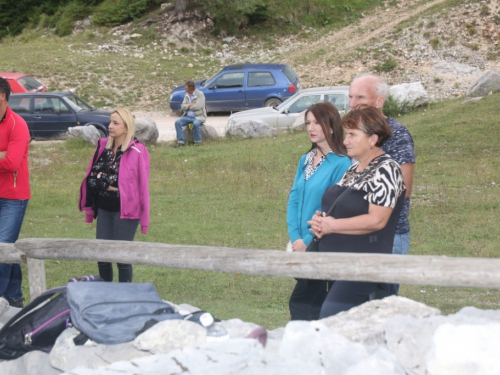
[116,188]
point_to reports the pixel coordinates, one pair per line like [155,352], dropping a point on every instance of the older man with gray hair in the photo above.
[368,89]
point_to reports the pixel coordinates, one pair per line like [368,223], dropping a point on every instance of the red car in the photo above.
[20,82]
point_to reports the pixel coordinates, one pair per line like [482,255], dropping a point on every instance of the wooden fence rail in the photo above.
[409,269]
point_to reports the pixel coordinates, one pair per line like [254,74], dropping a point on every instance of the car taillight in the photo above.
[292,88]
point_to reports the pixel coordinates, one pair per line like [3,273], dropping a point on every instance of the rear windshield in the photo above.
[29,83]
[290,74]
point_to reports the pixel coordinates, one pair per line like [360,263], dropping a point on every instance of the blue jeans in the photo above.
[184,121]
[400,247]
[11,219]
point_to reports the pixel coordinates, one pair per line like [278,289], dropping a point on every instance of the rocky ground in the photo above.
[444,48]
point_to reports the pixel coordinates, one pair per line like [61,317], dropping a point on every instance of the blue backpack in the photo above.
[113,313]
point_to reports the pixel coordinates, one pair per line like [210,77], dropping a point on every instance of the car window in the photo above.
[29,83]
[260,79]
[229,80]
[303,103]
[19,105]
[290,74]
[44,106]
[59,107]
[77,103]
[338,100]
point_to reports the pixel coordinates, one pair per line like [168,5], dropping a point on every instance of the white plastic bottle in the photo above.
[215,331]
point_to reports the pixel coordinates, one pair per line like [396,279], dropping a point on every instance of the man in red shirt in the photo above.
[14,190]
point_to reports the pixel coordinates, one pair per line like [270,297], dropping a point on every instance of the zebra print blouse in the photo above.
[383,184]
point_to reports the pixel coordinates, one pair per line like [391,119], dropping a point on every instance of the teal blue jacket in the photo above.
[305,196]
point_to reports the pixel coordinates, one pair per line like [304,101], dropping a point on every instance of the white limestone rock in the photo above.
[146,130]
[170,335]
[251,129]
[489,81]
[413,93]
[364,323]
[89,134]
[32,363]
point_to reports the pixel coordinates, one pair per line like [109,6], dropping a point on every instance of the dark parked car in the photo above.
[20,82]
[49,114]
[243,86]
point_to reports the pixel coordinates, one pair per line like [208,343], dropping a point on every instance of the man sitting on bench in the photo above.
[194,111]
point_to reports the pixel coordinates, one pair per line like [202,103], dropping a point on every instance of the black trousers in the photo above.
[306,299]
[315,300]
[111,227]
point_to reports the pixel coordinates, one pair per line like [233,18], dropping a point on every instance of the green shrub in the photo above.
[70,13]
[386,66]
[116,12]
[395,108]
[434,42]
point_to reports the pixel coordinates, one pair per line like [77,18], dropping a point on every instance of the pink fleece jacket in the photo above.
[133,184]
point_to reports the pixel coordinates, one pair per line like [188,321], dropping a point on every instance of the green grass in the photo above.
[234,193]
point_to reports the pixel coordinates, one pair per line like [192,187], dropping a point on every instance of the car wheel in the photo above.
[101,133]
[272,102]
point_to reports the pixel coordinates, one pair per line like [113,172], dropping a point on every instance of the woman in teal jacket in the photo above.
[322,166]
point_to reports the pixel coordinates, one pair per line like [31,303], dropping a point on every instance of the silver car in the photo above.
[291,110]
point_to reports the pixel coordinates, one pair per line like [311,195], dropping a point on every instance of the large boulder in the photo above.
[251,129]
[207,132]
[393,336]
[488,82]
[413,93]
[88,133]
[146,130]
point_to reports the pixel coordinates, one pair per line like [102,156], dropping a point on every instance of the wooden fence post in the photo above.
[36,277]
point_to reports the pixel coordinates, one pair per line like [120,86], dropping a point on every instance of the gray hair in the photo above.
[381,86]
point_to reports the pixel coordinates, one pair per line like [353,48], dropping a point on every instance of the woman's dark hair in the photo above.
[371,121]
[328,117]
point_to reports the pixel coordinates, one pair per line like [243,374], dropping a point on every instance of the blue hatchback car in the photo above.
[243,86]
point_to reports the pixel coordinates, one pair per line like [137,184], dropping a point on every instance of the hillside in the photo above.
[445,44]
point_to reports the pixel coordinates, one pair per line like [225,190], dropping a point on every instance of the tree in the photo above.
[180,8]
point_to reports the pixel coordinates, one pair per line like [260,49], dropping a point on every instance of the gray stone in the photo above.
[409,339]
[251,129]
[474,99]
[382,337]
[89,134]
[4,306]
[238,328]
[230,357]
[7,313]
[364,323]
[454,68]
[313,342]
[65,355]
[146,130]
[488,82]
[207,132]
[170,335]
[32,363]
[413,93]
[465,349]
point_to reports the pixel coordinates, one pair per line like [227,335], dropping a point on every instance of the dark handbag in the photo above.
[313,246]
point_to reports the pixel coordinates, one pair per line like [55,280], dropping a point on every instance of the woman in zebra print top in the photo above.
[365,217]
